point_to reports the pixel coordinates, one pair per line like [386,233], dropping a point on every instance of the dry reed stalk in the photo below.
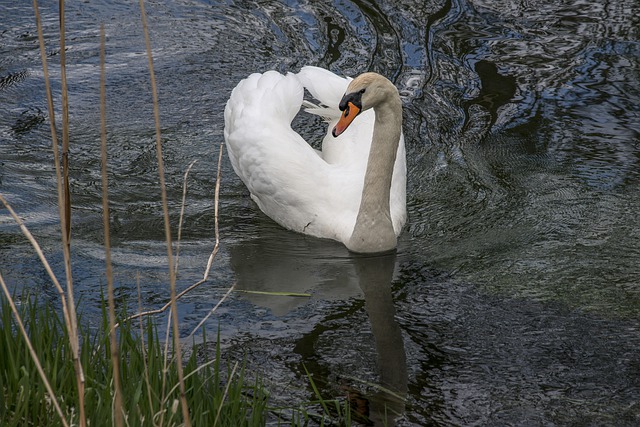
[65,197]
[56,161]
[32,352]
[64,213]
[115,359]
[167,225]
[65,209]
[165,369]
[65,121]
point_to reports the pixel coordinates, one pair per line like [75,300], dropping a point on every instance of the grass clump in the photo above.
[217,394]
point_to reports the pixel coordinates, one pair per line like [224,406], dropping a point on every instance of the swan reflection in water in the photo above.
[289,262]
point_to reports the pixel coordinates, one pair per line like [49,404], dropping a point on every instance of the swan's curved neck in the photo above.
[373,231]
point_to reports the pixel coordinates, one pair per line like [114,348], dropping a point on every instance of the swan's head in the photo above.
[365,91]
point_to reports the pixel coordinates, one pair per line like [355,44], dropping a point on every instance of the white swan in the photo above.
[354,190]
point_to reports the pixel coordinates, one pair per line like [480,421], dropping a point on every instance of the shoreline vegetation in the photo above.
[54,372]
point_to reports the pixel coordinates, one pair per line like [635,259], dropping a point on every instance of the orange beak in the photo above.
[347,117]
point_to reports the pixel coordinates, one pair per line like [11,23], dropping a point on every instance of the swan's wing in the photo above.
[288,180]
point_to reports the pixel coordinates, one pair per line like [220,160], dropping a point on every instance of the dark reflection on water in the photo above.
[513,299]
[294,263]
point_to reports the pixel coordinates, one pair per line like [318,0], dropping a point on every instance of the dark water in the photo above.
[514,297]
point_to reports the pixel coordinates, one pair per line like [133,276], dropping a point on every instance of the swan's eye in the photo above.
[362,90]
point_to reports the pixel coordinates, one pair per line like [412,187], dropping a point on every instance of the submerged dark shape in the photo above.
[496,90]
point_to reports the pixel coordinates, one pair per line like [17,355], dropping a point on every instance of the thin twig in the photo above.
[32,352]
[226,392]
[194,372]
[115,359]
[40,254]
[167,225]
[224,297]
[211,256]
[216,200]
[184,201]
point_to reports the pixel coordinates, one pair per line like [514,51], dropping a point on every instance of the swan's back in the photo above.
[301,189]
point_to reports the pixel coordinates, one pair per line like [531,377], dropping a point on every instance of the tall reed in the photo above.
[64,199]
[167,224]
[115,359]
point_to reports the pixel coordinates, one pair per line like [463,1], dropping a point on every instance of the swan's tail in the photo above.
[326,87]
[328,114]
